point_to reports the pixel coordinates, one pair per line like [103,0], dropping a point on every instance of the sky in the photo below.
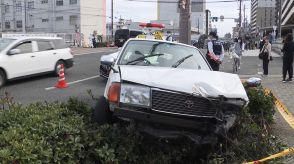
[146,11]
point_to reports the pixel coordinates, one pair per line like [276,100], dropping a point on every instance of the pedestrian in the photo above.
[215,51]
[94,41]
[266,55]
[288,50]
[238,50]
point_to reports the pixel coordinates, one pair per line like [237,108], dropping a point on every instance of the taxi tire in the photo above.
[56,71]
[101,113]
[2,78]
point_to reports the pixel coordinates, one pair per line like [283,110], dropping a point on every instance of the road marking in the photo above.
[74,82]
[287,115]
[288,151]
[88,53]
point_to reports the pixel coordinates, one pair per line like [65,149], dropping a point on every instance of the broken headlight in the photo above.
[135,95]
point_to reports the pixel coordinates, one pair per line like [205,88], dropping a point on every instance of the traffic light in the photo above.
[214,19]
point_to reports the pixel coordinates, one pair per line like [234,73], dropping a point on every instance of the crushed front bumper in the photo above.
[177,124]
[104,70]
[200,124]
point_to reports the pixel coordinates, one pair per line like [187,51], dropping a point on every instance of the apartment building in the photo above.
[169,12]
[263,15]
[54,16]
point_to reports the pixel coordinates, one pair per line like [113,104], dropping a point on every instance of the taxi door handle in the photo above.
[33,56]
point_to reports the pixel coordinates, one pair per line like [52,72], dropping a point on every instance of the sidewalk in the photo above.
[285,92]
[256,52]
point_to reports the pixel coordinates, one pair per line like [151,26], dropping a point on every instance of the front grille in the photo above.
[183,104]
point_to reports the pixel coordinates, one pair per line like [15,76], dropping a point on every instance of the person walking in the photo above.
[266,55]
[288,50]
[238,50]
[215,51]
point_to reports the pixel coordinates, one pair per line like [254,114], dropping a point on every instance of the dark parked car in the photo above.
[122,35]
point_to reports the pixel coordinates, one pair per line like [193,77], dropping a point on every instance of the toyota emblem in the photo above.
[189,104]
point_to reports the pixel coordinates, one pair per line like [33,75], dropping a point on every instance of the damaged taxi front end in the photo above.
[168,101]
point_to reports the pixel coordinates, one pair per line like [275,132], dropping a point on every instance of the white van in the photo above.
[27,56]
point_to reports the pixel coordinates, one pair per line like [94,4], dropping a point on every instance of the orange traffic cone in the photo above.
[61,81]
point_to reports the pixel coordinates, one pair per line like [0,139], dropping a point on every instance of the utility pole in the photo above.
[240,18]
[198,26]
[112,20]
[244,9]
[185,22]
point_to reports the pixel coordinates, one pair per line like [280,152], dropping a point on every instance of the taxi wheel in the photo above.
[101,113]
[2,78]
[56,69]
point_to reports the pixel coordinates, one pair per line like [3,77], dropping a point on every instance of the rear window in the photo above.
[122,33]
[59,44]
[45,45]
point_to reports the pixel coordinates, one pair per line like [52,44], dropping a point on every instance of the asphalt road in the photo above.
[83,76]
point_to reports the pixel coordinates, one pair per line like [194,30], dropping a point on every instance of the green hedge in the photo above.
[65,133]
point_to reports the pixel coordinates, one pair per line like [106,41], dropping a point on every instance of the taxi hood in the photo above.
[205,83]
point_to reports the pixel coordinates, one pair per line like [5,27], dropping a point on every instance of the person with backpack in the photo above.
[288,50]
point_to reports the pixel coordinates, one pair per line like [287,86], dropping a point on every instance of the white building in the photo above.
[170,12]
[54,16]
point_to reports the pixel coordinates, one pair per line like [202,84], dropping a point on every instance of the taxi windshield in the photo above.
[162,54]
[5,42]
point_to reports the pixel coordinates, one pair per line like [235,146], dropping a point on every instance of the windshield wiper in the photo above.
[179,62]
[143,57]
